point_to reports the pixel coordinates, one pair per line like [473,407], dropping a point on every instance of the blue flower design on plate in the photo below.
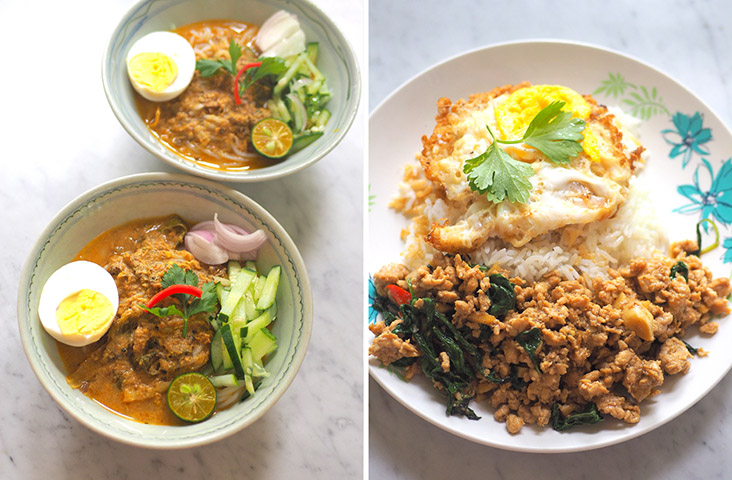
[728,250]
[372,296]
[717,200]
[688,137]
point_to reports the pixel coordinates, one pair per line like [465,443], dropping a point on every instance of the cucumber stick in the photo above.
[238,287]
[217,351]
[233,350]
[269,291]
[225,380]
[262,343]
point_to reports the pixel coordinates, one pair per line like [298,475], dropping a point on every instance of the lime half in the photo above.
[192,397]
[272,138]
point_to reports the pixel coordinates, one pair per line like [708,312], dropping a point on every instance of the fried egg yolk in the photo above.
[515,114]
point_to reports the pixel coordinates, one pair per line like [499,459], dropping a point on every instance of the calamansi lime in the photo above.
[272,138]
[192,397]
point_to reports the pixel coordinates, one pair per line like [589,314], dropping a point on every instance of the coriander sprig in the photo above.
[498,176]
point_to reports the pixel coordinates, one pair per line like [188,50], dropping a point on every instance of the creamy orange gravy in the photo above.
[117,240]
[217,134]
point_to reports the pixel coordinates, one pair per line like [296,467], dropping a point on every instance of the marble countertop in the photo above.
[689,40]
[61,139]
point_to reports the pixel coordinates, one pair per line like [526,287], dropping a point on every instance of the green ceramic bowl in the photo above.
[336,61]
[195,199]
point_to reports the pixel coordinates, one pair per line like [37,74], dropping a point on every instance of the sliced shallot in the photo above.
[236,242]
[214,242]
[204,249]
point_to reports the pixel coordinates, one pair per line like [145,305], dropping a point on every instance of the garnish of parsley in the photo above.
[498,176]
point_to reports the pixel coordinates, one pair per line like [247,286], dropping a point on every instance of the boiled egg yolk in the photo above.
[161,65]
[153,70]
[84,312]
[515,114]
[78,303]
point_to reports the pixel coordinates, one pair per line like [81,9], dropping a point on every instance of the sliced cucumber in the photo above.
[232,350]
[272,311]
[248,362]
[255,325]
[311,50]
[233,268]
[303,140]
[250,307]
[251,265]
[262,343]
[269,292]
[240,285]
[217,351]
[226,380]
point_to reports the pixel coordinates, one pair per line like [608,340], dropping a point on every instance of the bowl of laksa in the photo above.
[236,90]
[164,311]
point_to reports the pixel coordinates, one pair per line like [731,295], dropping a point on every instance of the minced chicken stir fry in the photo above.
[554,351]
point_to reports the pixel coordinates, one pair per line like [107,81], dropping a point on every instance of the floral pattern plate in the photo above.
[689,171]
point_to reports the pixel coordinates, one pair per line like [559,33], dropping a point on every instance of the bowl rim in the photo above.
[188,180]
[257,175]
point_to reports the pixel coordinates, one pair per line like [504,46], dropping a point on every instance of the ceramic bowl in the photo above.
[194,199]
[336,60]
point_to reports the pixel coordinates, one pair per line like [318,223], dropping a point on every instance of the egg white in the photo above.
[175,47]
[67,280]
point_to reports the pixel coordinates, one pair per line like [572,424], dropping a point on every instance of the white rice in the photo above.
[634,231]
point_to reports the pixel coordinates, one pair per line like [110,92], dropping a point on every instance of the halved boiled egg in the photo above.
[78,303]
[161,65]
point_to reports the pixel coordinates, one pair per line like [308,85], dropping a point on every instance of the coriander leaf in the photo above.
[208,301]
[174,276]
[498,176]
[189,304]
[235,54]
[207,67]
[162,312]
[555,133]
[271,66]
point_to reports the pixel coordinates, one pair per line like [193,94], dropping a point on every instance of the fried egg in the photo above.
[160,65]
[78,303]
[590,188]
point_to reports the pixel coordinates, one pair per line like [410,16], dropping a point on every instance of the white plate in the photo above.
[396,128]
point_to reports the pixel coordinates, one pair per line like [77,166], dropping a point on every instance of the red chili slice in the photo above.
[172,290]
[399,295]
[238,76]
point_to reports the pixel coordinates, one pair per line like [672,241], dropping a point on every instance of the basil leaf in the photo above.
[530,340]
[501,294]
[561,423]
[680,268]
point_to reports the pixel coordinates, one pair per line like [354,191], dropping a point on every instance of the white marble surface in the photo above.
[689,40]
[60,139]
